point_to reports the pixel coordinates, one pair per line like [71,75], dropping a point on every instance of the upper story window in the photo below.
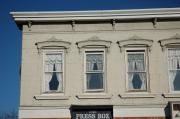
[94,70]
[53,71]
[136,70]
[94,50]
[136,55]
[174,68]
[53,51]
[172,46]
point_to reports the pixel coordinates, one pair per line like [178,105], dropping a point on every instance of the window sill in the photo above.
[148,95]
[88,96]
[171,95]
[51,97]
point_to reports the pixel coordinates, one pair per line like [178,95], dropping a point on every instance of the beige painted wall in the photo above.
[32,70]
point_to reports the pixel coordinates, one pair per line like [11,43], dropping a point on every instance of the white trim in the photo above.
[97,96]
[51,97]
[96,15]
[139,112]
[96,51]
[136,95]
[63,68]
[44,113]
[169,83]
[171,95]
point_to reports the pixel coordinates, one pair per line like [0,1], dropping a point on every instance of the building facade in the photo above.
[116,64]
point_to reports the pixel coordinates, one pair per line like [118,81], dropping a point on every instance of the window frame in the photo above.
[95,51]
[51,51]
[169,80]
[135,51]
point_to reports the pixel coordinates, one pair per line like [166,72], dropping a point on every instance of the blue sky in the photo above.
[10,35]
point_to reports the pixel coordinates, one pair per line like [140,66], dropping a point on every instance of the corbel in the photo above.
[38,49]
[29,25]
[155,22]
[120,47]
[163,47]
[107,49]
[113,24]
[73,25]
[79,49]
[149,48]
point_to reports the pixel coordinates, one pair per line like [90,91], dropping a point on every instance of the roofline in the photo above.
[50,16]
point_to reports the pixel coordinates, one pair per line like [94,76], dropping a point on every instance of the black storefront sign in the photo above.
[91,112]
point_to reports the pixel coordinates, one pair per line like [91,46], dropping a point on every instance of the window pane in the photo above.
[53,81]
[95,81]
[174,58]
[52,59]
[136,62]
[94,62]
[53,72]
[174,77]
[137,81]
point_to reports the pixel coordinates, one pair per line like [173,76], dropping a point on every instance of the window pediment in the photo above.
[93,42]
[135,41]
[53,43]
[169,42]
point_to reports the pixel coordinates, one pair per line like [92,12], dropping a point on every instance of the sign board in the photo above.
[91,113]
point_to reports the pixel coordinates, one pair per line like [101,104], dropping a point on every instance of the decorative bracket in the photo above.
[94,42]
[114,24]
[53,43]
[155,22]
[73,25]
[135,41]
[170,42]
[29,25]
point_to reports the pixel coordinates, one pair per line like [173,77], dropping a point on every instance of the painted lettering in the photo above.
[103,116]
[85,116]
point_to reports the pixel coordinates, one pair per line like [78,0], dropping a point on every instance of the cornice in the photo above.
[53,43]
[170,42]
[135,41]
[93,41]
[21,17]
